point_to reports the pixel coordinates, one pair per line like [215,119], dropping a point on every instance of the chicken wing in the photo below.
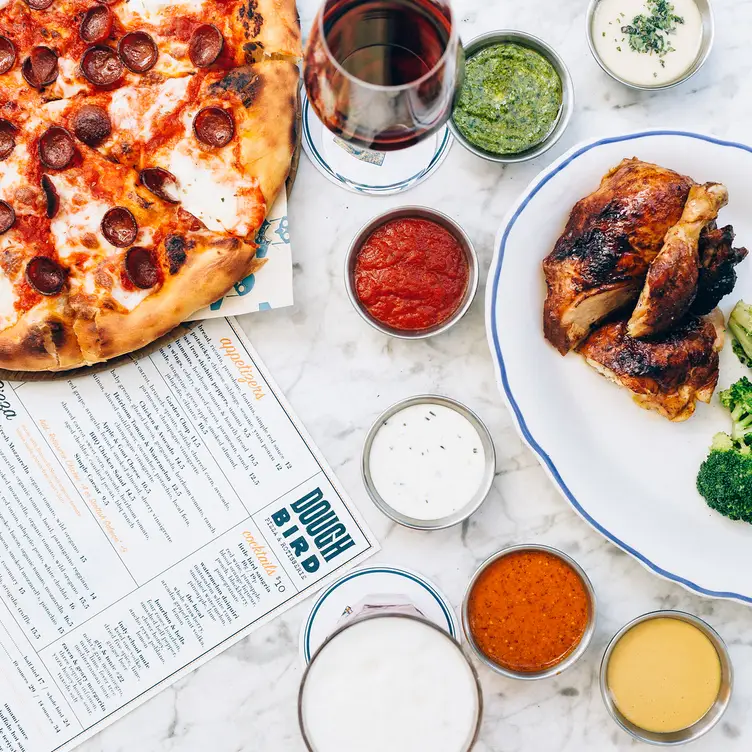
[718,257]
[667,374]
[671,284]
[600,262]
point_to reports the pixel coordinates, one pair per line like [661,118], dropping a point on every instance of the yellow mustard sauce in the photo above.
[664,675]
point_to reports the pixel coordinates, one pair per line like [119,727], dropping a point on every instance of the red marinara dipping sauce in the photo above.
[528,611]
[411,274]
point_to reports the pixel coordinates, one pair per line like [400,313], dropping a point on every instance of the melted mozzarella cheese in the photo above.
[153,11]
[67,79]
[11,176]
[212,190]
[125,107]
[8,312]
[79,216]
[128,298]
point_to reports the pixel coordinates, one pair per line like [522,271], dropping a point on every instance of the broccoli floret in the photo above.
[740,327]
[737,399]
[725,478]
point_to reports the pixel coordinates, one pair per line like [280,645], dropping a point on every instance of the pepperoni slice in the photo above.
[101,66]
[56,148]
[45,275]
[141,267]
[206,45]
[7,54]
[7,139]
[214,126]
[7,217]
[119,227]
[91,124]
[50,193]
[161,183]
[39,4]
[96,24]
[138,51]
[40,68]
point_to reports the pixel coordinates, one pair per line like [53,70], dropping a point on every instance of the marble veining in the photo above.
[339,374]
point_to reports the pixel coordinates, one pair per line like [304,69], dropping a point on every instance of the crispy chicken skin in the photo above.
[671,284]
[600,262]
[718,257]
[668,373]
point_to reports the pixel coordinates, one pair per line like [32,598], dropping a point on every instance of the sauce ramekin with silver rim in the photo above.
[427,225]
[428,462]
[529,612]
[512,109]
[650,45]
[659,677]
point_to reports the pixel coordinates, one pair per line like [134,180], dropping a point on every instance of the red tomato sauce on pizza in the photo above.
[411,274]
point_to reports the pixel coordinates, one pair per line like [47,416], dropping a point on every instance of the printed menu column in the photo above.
[153,513]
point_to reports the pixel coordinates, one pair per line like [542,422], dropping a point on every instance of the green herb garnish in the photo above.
[649,33]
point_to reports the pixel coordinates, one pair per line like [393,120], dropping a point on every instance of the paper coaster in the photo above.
[366,171]
[379,585]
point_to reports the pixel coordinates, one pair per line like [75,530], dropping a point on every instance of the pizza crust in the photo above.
[212,267]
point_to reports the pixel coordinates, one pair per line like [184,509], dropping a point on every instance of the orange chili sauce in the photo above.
[528,611]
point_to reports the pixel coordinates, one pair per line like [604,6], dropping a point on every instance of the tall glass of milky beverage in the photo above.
[390,681]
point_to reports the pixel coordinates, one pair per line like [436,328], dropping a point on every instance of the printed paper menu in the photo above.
[150,516]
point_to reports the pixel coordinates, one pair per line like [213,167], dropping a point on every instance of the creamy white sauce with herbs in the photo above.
[647,42]
[427,461]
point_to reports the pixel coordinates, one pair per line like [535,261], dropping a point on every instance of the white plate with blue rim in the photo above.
[628,472]
[365,171]
[374,586]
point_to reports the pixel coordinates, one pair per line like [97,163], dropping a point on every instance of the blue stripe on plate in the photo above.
[542,454]
[370,570]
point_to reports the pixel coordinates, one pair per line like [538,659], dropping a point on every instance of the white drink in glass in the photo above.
[390,684]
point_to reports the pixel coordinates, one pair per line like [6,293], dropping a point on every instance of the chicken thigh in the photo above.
[667,373]
[600,262]
[671,284]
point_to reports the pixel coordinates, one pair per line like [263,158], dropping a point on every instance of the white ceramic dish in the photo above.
[628,472]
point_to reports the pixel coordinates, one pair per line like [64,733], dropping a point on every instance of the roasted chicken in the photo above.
[599,264]
[668,373]
[671,284]
[718,258]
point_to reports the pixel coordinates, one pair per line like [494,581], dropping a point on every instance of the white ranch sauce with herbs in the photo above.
[427,461]
[646,68]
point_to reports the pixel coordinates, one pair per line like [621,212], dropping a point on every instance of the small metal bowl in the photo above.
[419,212]
[708,35]
[473,504]
[369,617]
[567,94]
[701,727]
[574,656]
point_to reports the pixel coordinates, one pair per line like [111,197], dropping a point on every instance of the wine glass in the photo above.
[382,74]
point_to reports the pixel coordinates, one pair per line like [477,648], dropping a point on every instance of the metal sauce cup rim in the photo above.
[483,490]
[419,212]
[587,635]
[706,46]
[515,36]
[701,726]
[370,617]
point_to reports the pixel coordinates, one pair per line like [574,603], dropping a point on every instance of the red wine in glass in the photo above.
[382,74]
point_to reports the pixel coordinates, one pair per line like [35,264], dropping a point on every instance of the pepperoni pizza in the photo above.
[141,144]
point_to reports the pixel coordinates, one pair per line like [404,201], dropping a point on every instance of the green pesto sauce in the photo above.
[510,99]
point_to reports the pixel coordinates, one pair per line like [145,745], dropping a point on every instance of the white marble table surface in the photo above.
[338,373]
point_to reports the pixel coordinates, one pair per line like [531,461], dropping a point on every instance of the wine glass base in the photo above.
[370,172]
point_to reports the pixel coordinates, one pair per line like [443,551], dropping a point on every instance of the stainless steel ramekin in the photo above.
[488,476]
[419,212]
[582,646]
[355,621]
[701,727]
[567,93]
[708,36]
